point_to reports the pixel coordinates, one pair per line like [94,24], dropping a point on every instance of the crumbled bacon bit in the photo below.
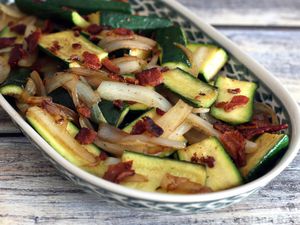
[76,45]
[208,160]
[16,54]
[75,58]
[103,156]
[123,31]
[118,172]
[160,112]
[119,104]
[119,78]
[84,111]
[55,47]
[76,31]
[86,136]
[147,124]
[32,41]
[48,27]
[234,144]
[91,61]
[19,28]
[234,91]
[95,29]
[6,42]
[109,65]
[151,77]
[164,69]
[94,38]
[238,100]
[222,127]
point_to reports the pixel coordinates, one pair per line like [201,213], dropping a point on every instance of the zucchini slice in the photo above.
[269,147]
[172,56]
[240,114]
[62,97]
[210,57]
[7,33]
[66,52]
[15,82]
[192,90]
[47,10]
[133,22]
[224,174]
[155,168]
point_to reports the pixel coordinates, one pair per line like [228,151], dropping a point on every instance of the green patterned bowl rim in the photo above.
[262,74]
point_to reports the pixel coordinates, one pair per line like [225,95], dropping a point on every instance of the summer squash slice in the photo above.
[189,88]
[211,59]
[269,149]
[223,174]
[155,168]
[65,52]
[63,141]
[240,113]
[47,10]
[172,56]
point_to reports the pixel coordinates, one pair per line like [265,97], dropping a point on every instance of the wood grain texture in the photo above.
[247,13]
[32,192]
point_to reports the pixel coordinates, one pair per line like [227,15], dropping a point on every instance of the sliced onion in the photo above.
[23,107]
[40,88]
[85,123]
[30,87]
[5,50]
[32,100]
[199,57]
[201,110]
[114,149]
[30,25]
[11,10]
[4,69]
[112,134]
[262,107]
[180,131]
[135,178]
[129,92]
[67,112]
[72,87]
[112,161]
[58,80]
[28,60]
[82,71]
[86,94]
[129,64]
[153,61]
[174,117]
[127,44]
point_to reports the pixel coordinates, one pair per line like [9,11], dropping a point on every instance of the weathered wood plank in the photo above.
[247,13]
[32,192]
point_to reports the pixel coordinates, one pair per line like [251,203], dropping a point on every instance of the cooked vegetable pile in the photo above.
[129,99]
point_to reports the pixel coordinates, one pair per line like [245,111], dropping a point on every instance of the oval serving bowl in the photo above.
[240,66]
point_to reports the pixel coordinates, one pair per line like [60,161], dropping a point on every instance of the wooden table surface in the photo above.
[33,192]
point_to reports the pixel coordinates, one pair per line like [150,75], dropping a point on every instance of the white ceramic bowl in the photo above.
[240,66]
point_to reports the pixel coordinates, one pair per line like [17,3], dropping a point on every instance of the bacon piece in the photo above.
[95,29]
[16,54]
[252,132]
[160,112]
[6,42]
[119,78]
[91,61]
[32,41]
[222,127]
[54,47]
[103,156]
[234,91]
[138,128]
[48,26]
[86,136]
[108,64]
[19,28]
[123,31]
[182,185]
[234,144]
[118,172]
[238,100]
[119,104]
[147,124]
[84,111]
[151,77]
[76,45]
[208,160]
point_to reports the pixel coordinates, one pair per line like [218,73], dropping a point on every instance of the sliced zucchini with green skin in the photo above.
[46,10]
[65,39]
[155,169]
[210,57]
[224,174]
[7,33]
[62,97]
[90,6]
[269,147]
[172,56]
[133,22]
[240,114]
[62,141]
[138,107]
[15,82]
[192,90]
[113,115]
